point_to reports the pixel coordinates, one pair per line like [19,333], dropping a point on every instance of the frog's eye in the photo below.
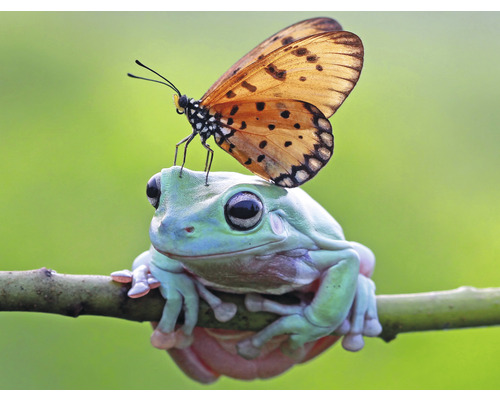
[243,211]
[153,190]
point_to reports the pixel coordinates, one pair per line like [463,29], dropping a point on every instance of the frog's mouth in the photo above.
[215,255]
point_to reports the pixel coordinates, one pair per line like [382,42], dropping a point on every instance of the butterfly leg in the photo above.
[208,161]
[186,140]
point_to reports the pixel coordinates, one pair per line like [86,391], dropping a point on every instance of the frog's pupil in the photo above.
[153,192]
[244,209]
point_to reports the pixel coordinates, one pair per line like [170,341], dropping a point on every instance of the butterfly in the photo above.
[270,110]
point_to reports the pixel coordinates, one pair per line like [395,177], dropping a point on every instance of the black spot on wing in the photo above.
[301,51]
[248,86]
[275,72]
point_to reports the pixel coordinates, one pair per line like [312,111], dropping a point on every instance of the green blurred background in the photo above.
[415,176]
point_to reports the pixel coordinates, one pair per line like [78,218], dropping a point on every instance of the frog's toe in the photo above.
[165,341]
[344,328]
[182,339]
[372,328]
[225,311]
[247,350]
[162,340]
[353,342]
[153,282]
[123,276]
[138,290]
[254,302]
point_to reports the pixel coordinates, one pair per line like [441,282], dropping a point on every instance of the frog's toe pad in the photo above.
[247,350]
[162,340]
[165,341]
[138,290]
[254,302]
[153,282]
[372,328]
[353,342]
[344,328]
[225,311]
[123,276]
[183,340]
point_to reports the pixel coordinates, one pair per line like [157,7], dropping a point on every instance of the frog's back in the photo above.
[306,215]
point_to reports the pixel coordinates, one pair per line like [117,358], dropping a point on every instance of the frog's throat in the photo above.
[216,255]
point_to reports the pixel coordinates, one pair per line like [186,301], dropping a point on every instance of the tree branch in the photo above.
[44,290]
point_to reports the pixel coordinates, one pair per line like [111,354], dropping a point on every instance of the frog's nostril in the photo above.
[189,229]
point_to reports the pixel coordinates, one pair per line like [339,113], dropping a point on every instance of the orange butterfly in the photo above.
[270,110]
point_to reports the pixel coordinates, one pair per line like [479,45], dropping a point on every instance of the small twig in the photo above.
[46,291]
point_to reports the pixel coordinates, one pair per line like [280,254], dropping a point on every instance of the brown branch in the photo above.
[44,290]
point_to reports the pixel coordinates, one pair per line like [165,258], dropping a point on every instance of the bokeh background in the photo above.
[415,176]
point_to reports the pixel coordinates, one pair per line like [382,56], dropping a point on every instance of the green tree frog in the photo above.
[241,234]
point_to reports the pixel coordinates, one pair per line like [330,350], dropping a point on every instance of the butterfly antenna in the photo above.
[169,84]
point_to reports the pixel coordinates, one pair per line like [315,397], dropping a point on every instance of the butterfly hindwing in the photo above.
[321,69]
[285,36]
[285,141]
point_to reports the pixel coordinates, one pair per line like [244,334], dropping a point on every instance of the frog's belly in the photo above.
[274,274]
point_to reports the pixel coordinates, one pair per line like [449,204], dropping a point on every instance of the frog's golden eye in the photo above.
[153,190]
[243,211]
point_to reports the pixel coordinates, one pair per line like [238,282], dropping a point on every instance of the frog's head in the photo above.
[232,215]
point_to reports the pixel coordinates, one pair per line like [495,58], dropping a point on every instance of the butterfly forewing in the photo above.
[321,69]
[286,36]
[285,141]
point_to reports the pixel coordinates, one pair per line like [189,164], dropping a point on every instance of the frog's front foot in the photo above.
[141,278]
[362,319]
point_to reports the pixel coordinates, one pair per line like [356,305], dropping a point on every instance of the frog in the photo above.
[241,234]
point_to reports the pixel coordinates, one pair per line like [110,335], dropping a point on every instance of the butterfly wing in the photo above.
[293,144]
[288,35]
[321,69]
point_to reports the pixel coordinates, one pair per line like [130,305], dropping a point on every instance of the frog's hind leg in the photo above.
[223,311]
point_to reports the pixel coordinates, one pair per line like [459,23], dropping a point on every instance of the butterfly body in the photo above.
[270,110]
[201,120]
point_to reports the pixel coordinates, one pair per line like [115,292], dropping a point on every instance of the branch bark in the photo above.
[44,290]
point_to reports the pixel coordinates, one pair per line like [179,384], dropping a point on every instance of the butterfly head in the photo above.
[181,103]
